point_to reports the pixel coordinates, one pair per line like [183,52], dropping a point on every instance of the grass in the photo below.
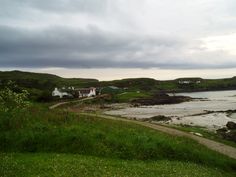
[129,96]
[51,133]
[64,165]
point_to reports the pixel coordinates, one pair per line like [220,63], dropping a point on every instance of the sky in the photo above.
[107,39]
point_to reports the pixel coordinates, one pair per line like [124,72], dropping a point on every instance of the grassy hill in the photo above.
[55,142]
[41,85]
[145,84]
[41,81]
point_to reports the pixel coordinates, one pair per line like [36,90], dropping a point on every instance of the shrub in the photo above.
[12,104]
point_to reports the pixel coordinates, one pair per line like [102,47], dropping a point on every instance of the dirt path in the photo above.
[216,146]
[67,102]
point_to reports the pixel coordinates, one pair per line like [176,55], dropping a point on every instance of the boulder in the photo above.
[231,125]
[231,136]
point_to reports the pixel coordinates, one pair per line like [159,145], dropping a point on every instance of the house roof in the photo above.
[85,90]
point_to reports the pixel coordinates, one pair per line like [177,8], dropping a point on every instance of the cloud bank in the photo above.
[117,34]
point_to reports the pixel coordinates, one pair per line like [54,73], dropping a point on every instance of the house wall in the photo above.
[90,94]
[56,92]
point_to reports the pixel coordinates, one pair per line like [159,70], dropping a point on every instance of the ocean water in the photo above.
[189,112]
[233,116]
[212,95]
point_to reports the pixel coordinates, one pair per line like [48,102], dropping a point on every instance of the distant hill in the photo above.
[145,84]
[41,80]
[42,84]
[39,84]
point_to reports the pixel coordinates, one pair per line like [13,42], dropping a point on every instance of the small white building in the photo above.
[189,82]
[185,82]
[198,82]
[87,92]
[61,94]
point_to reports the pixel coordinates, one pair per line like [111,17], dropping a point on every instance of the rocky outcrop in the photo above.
[161,98]
[228,132]
[231,125]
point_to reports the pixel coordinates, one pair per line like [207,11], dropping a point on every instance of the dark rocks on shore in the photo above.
[160,118]
[161,98]
[228,132]
[157,118]
[231,125]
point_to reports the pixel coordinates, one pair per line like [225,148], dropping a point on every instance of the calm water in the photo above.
[233,116]
[188,112]
[213,95]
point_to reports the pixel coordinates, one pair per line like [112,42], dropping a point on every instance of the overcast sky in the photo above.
[101,38]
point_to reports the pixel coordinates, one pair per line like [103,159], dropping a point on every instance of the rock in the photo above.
[198,134]
[160,118]
[227,133]
[231,136]
[231,125]
[160,99]
[222,130]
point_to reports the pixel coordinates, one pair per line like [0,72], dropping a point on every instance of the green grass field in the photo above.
[57,143]
[129,96]
[69,165]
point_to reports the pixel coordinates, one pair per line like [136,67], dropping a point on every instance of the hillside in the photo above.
[41,80]
[40,85]
[152,85]
[60,143]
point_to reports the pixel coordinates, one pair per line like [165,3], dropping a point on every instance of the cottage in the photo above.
[189,82]
[184,82]
[198,82]
[61,94]
[86,92]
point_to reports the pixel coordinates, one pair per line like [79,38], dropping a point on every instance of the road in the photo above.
[68,102]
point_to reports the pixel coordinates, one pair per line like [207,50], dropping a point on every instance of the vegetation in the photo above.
[12,104]
[64,165]
[129,96]
[93,141]
[58,131]
[40,86]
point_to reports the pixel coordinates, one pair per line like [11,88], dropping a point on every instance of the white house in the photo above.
[198,82]
[57,92]
[87,92]
[185,82]
[189,82]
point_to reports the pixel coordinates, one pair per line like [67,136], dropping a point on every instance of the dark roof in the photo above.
[84,91]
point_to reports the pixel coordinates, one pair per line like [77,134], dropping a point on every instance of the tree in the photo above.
[13,100]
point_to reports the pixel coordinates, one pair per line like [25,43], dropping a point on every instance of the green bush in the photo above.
[12,105]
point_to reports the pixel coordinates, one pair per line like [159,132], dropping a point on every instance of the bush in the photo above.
[12,104]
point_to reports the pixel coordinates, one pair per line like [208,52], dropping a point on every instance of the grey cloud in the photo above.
[55,6]
[63,47]
[29,39]
[93,48]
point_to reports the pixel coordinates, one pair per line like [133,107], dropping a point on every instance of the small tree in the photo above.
[11,101]
[11,105]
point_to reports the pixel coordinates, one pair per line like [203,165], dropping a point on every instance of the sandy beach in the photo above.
[195,113]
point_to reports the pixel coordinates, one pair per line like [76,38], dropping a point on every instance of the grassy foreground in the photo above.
[68,165]
[42,140]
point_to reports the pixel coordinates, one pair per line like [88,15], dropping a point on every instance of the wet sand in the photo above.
[193,113]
